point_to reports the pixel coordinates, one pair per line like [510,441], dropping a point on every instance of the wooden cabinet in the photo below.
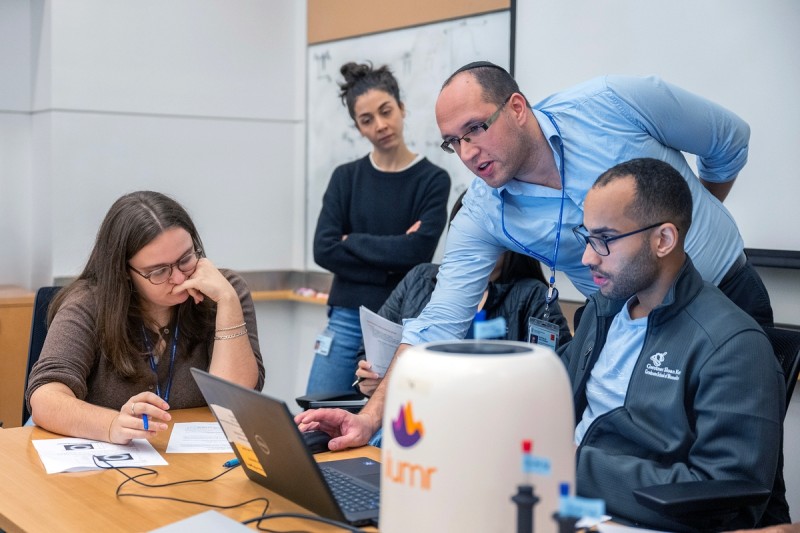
[16,309]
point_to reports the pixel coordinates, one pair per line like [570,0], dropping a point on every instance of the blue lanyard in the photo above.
[552,264]
[154,366]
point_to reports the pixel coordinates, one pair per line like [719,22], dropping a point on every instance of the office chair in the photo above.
[38,332]
[708,505]
[786,344]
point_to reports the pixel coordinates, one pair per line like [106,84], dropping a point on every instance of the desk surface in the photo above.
[32,500]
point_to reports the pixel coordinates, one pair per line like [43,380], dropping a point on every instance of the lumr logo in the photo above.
[407,431]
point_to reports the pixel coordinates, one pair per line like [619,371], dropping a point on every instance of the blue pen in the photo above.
[144,419]
[232,462]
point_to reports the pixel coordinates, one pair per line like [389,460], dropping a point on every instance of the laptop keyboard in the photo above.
[350,496]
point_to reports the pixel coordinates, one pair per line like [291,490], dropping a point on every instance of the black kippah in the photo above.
[477,64]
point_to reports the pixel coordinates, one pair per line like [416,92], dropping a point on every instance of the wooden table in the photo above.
[16,308]
[32,500]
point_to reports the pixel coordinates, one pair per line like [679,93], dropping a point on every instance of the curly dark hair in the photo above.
[360,78]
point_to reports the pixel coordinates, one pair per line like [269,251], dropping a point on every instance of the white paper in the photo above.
[198,437]
[75,455]
[381,339]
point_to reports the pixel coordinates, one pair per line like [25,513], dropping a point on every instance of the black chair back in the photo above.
[786,345]
[38,332]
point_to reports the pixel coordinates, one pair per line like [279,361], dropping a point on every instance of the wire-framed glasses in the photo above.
[453,144]
[185,264]
[600,244]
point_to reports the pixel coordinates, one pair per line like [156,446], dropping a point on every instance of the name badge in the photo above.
[543,332]
[322,346]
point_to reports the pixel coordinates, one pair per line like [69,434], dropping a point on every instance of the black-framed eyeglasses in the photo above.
[185,264]
[453,144]
[600,244]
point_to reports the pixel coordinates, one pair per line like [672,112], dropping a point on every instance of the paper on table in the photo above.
[381,339]
[198,437]
[74,455]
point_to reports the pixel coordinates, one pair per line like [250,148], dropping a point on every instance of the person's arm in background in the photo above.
[689,123]
[399,253]
[347,429]
[470,256]
[407,300]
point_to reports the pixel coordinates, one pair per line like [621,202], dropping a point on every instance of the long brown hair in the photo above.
[132,222]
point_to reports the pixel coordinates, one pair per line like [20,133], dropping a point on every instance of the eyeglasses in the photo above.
[185,264]
[475,131]
[600,244]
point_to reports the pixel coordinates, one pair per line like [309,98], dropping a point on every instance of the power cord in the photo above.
[259,519]
[313,518]
[151,472]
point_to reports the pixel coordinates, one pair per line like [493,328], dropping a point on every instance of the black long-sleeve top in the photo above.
[375,209]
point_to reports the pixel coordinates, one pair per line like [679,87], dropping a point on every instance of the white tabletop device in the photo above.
[466,423]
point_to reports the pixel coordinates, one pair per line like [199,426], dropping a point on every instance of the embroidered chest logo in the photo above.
[658,369]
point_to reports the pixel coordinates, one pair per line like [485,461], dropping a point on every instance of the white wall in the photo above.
[200,99]
[15,139]
[286,332]
[739,53]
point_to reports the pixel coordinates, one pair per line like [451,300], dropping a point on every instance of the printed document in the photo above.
[198,437]
[381,339]
[75,455]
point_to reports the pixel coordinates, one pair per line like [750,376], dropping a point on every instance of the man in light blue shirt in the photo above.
[535,166]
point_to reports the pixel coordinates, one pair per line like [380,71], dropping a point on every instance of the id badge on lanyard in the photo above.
[543,332]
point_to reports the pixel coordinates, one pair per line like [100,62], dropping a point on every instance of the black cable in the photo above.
[301,516]
[258,519]
[150,471]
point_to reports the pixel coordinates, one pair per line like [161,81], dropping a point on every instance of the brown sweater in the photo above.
[70,356]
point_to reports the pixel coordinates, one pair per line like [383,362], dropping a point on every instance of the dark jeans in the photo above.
[745,289]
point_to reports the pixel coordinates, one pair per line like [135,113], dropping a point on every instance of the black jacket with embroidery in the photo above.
[705,401]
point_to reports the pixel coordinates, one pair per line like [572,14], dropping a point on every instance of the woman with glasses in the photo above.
[122,337]
[381,215]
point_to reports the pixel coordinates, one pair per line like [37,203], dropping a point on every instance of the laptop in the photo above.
[270,448]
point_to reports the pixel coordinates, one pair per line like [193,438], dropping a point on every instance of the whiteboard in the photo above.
[421,58]
[738,53]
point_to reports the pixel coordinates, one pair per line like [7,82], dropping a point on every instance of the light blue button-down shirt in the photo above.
[601,123]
